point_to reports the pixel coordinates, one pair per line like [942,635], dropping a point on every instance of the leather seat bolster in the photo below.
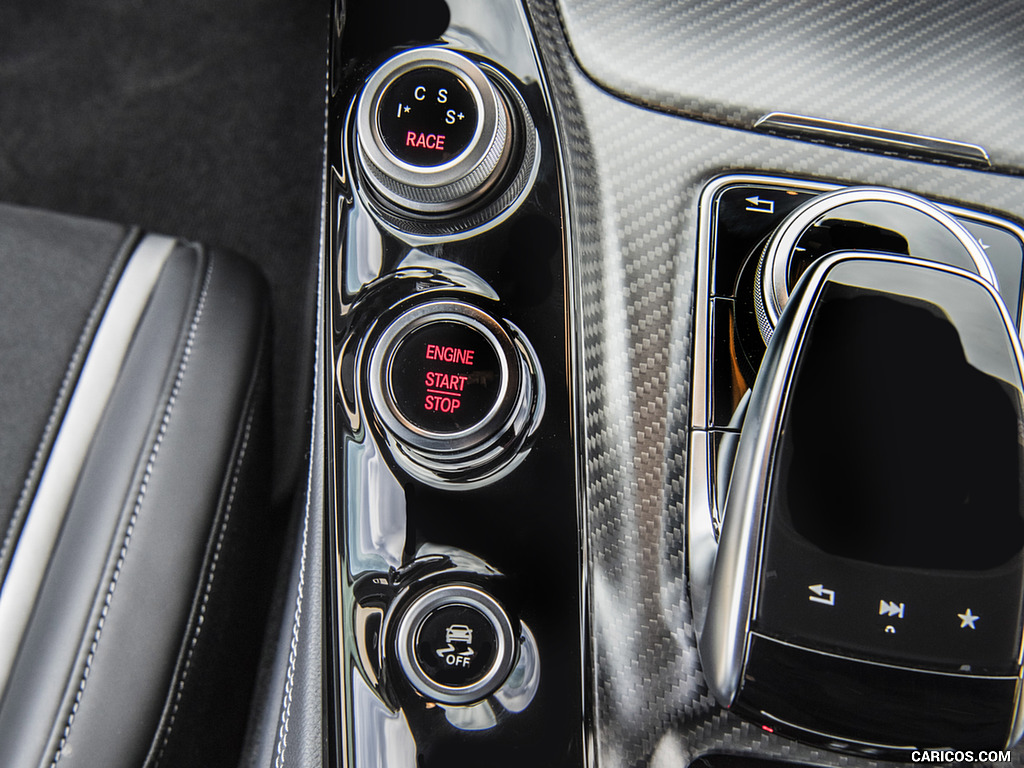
[146,592]
[58,275]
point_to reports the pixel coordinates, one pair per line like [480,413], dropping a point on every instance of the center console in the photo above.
[456,555]
[661,433]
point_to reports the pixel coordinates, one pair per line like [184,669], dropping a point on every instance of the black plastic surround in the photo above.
[810,679]
[447,324]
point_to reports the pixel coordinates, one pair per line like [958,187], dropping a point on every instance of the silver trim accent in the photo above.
[700,387]
[701,536]
[412,621]
[851,133]
[1017,726]
[441,188]
[723,642]
[733,588]
[382,735]
[85,409]
[772,289]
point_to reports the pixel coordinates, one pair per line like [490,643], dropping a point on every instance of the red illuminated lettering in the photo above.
[425,140]
[442,403]
[449,382]
[450,354]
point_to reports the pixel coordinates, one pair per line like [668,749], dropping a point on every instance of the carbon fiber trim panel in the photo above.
[940,68]
[634,177]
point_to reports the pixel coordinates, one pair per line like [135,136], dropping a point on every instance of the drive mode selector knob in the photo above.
[456,391]
[433,132]
[456,644]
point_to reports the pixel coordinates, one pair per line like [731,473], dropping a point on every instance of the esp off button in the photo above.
[433,133]
[457,391]
[456,644]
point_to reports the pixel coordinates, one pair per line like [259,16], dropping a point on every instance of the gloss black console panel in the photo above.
[455,544]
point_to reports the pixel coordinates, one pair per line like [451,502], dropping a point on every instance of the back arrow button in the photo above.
[760,205]
[822,595]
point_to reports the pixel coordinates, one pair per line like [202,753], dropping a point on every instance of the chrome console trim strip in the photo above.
[850,133]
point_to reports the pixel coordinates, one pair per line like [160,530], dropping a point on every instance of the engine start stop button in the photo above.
[455,392]
[446,376]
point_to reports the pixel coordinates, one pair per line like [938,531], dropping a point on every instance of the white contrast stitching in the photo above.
[286,710]
[143,488]
[286,704]
[209,582]
[84,340]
